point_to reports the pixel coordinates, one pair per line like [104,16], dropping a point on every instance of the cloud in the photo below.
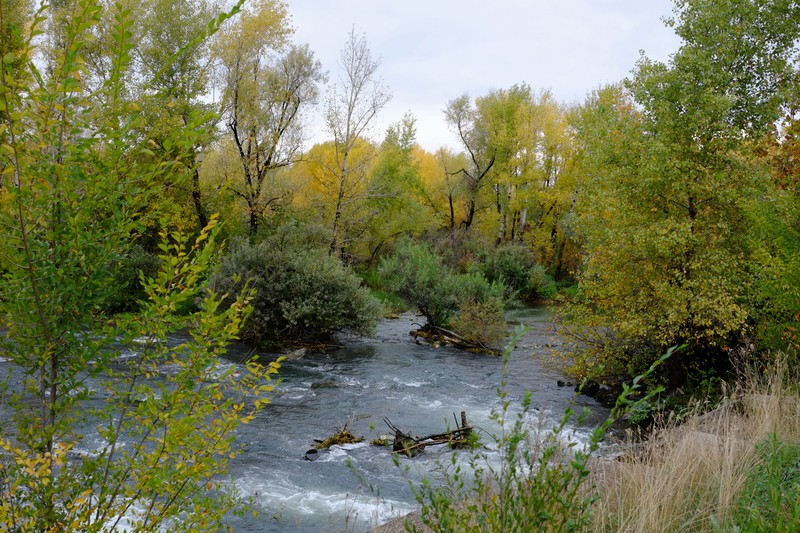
[437,50]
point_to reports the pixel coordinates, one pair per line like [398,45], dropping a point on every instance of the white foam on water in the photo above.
[408,383]
[353,382]
[283,498]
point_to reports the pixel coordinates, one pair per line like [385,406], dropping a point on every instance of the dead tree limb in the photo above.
[412,446]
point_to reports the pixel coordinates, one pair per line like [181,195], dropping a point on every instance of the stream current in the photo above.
[418,387]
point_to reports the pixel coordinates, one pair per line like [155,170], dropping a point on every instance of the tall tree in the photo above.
[464,119]
[662,213]
[181,86]
[353,103]
[268,85]
[394,205]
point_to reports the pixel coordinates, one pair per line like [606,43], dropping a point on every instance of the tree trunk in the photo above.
[202,216]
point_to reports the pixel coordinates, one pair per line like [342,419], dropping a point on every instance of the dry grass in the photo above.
[690,475]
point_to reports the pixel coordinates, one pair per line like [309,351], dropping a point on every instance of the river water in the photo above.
[417,386]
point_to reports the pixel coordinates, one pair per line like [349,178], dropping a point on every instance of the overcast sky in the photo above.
[435,50]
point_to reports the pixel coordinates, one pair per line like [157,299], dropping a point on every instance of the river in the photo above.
[417,386]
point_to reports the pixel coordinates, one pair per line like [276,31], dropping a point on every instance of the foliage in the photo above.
[129,291]
[302,292]
[352,105]
[481,322]
[177,426]
[267,87]
[516,178]
[393,208]
[770,499]
[509,263]
[668,175]
[538,485]
[776,239]
[541,286]
[423,281]
[102,435]
[514,264]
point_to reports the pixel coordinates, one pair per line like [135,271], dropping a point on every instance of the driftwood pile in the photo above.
[341,436]
[438,336]
[411,446]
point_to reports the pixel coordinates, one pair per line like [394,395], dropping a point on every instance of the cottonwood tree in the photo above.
[177,91]
[395,205]
[268,85]
[353,103]
[95,441]
[464,119]
[662,216]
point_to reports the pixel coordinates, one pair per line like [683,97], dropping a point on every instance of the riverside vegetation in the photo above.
[662,211]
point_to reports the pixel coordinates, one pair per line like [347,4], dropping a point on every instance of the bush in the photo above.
[420,278]
[301,293]
[128,289]
[541,286]
[481,322]
[510,263]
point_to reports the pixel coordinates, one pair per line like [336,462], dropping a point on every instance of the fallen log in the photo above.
[411,446]
[437,335]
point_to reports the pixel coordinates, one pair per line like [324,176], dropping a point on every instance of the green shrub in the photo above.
[128,289]
[420,278]
[541,285]
[301,293]
[511,264]
[414,273]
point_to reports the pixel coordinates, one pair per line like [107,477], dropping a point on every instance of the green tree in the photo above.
[353,103]
[264,99]
[77,192]
[393,206]
[179,77]
[668,178]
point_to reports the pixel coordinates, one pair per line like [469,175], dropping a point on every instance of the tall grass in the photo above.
[725,470]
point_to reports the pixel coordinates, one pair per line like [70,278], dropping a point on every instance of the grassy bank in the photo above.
[734,468]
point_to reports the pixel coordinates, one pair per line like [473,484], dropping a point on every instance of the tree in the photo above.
[353,103]
[443,192]
[14,15]
[481,155]
[667,184]
[264,100]
[181,85]
[78,189]
[394,206]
